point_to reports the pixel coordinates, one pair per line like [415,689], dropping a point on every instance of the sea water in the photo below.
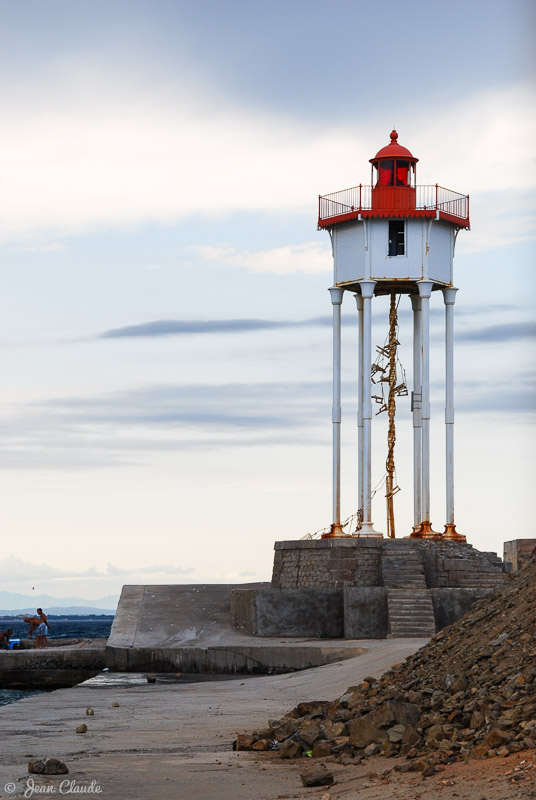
[69,626]
[12,695]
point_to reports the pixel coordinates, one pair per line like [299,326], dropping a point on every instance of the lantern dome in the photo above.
[394,150]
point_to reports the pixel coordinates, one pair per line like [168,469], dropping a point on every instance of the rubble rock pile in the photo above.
[470,692]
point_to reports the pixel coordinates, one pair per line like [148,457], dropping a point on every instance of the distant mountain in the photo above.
[58,611]
[14,603]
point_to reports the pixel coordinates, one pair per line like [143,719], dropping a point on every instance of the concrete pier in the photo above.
[188,628]
[53,667]
[169,740]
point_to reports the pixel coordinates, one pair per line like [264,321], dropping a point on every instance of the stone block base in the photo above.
[518,552]
[350,613]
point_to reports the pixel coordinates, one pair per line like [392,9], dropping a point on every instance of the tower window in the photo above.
[402,172]
[397,243]
[386,173]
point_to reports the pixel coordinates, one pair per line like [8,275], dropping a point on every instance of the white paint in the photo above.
[417,398]
[336,299]
[359,302]
[449,297]
[349,252]
[425,290]
[367,293]
[429,251]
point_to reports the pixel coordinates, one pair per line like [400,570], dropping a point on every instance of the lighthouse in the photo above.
[394,237]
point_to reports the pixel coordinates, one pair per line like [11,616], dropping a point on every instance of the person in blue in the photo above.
[41,632]
[5,636]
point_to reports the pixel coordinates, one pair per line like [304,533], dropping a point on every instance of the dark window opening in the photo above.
[396,238]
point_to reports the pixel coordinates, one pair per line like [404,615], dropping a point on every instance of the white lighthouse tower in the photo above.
[394,237]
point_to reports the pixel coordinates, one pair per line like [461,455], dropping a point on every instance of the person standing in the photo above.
[41,632]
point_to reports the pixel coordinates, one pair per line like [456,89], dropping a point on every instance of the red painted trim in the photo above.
[428,213]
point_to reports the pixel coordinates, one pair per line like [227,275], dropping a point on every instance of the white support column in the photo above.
[449,297]
[367,293]
[416,399]
[425,291]
[359,302]
[336,299]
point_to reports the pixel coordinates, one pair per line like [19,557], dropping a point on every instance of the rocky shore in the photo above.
[469,693]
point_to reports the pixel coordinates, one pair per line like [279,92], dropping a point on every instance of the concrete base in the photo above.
[252,658]
[288,612]
[451,604]
[366,588]
[188,629]
[355,613]
[365,613]
[353,561]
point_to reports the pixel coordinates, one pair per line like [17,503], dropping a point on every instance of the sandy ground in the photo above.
[174,741]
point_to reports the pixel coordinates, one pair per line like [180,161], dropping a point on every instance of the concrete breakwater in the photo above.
[53,667]
[188,628]
[170,629]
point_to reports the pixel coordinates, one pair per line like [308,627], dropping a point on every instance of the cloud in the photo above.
[233,405]
[169,327]
[15,570]
[312,258]
[175,327]
[494,334]
[93,147]
[105,431]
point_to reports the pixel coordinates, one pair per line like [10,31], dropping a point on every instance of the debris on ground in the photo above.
[469,693]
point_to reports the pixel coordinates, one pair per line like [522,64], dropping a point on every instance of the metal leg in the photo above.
[336,299]
[367,293]
[416,399]
[449,297]
[424,529]
[359,302]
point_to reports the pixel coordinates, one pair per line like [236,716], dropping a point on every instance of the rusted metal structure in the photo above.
[394,237]
[390,485]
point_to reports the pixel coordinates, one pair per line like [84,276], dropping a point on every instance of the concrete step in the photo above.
[410,613]
[401,584]
[403,567]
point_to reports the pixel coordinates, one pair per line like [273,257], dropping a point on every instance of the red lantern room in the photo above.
[393,193]
[393,177]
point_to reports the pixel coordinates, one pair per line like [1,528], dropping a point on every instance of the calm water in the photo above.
[67,627]
[12,695]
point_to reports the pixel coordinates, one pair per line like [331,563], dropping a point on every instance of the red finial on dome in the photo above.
[394,150]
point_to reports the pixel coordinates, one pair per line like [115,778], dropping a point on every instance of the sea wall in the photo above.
[50,668]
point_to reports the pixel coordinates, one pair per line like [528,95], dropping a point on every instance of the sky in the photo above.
[165,325]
